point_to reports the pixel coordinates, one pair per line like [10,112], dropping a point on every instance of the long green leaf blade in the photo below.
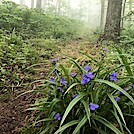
[70,106]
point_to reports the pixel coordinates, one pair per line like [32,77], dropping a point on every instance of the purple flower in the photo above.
[93,106]
[105,49]
[74,96]
[90,75]
[60,89]
[87,68]
[73,74]
[132,86]
[57,117]
[86,77]
[52,79]
[116,98]
[63,81]
[113,76]
[55,71]
[54,60]
[124,90]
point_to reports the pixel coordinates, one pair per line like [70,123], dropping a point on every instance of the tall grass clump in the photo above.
[86,99]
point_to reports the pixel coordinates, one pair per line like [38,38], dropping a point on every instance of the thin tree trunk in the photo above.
[123,13]
[38,4]
[113,20]
[102,15]
[58,5]
[32,3]
[130,9]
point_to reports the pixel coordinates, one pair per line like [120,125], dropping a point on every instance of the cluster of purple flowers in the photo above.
[87,77]
[63,81]
[113,76]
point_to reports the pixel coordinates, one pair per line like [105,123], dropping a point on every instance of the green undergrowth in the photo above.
[94,97]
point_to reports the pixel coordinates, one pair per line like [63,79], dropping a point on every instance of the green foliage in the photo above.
[15,56]
[67,108]
[32,23]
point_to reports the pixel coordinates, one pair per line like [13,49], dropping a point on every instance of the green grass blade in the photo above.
[71,105]
[65,72]
[115,87]
[73,85]
[76,63]
[87,109]
[43,120]
[69,124]
[53,103]
[125,62]
[81,123]
[117,107]
[99,130]
[89,56]
[118,119]
[108,124]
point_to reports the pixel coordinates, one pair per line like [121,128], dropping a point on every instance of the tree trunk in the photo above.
[123,13]
[32,3]
[38,4]
[113,20]
[130,9]
[58,5]
[102,15]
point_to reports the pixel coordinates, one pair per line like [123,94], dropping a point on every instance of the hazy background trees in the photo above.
[93,12]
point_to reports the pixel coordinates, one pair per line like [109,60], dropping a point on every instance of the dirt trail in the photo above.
[13,112]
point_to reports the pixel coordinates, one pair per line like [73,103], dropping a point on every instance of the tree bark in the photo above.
[102,15]
[38,4]
[32,3]
[58,5]
[123,13]
[113,20]
[130,9]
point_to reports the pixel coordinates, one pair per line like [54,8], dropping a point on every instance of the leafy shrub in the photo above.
[86,100]
[32,23]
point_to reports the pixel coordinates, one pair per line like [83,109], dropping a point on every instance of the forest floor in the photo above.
[13,113]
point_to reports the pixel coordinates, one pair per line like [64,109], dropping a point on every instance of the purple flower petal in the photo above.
[105,49]
[114,74]
[73,74]
[52,79]
[54,60]
[116,98]
[124,90]
[86,68]
[55,71]
[57,117]
[132,86]
[93,106]
[62,81]
[90,75]
[74,96]
[60,89]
